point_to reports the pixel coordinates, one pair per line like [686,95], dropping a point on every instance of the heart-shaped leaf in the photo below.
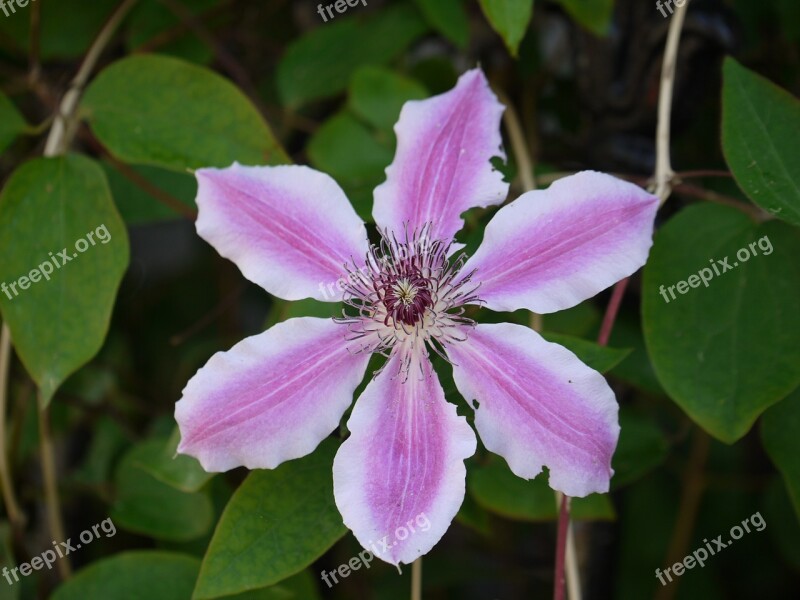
[64,250]
[721,315]
[760,122]
[277,523]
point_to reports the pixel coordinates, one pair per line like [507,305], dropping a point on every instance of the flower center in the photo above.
[405,297]
[409,293]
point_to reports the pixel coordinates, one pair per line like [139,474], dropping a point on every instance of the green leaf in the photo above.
[108,442]
[137,206]
[760,122]
[779,432]
[636,369]
[449,18]
[510,19]
[59,322]
[345,149]
[176,470]
[594,15]
[778,509]
[728,351]
[283,310]
[320,63]
[600,358]
[67,26]
[11,122]
[161,111]
[297,587]
[148,506]
[642,447]
[152,18]
[277,523]
[498,490]
[150,574]
[377,94]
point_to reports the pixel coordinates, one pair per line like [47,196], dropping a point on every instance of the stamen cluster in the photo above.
[408,292]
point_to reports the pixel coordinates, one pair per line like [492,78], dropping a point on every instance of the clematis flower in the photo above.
[275,396]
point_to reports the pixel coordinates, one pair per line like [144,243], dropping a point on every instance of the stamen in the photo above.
[408,292]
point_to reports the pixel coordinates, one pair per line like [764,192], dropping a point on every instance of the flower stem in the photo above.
[694,484]
[63,124]
[416,579]
[15,514]
[50,485]
[561,544]
[664,173]
[611,312]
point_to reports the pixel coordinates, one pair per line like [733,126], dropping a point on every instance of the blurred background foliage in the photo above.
[708,384]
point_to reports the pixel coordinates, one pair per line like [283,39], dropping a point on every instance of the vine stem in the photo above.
[693,486]
[63,122]
[416,579]
[664,173]
[15,514]
[51,486]
[61,133]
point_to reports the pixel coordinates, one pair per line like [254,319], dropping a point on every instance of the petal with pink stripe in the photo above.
[399,478]
[442,168]
[550,250]
[290,229]
[536,404]
[271,398]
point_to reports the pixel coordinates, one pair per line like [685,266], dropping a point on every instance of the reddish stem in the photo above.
[611,312]
[561,548]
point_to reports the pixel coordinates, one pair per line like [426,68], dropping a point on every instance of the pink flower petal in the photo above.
[290,229]
[399,478]
[442,167]
[538,405]
[271,398]
[550,250]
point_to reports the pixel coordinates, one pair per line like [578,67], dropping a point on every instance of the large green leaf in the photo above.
[150,574]
[297,587]
[600,358]
[137,206]
[277,523]
[320,63]
[780,432]
[498,490]
[165,112]
[760,124]
[510,19]
[151,507]
[67,26]
[177,470]
[152,19]
[377,94]
[641,448]
[594,15]
[348,151]
[449,18]
[60,321]
[727,351]
[11,122]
